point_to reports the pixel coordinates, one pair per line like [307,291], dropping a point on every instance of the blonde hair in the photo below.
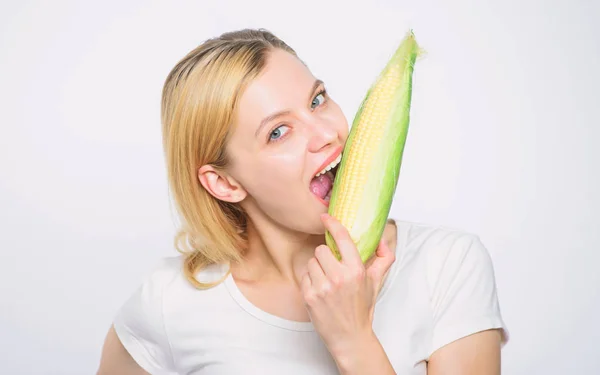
[199,98]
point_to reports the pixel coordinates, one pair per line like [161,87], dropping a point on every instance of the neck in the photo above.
[275,253]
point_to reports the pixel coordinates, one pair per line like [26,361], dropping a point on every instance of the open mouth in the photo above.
[322,184]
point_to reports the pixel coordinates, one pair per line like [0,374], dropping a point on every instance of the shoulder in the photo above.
[447,256]
[143,308]
[167,273]
[160,286]
[141,323]
[163,289]
[458,278]
[149,292]
[435,243]
[164,272]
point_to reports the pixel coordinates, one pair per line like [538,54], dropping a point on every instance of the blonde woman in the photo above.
[246,129]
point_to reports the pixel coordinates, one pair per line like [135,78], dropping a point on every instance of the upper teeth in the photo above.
[332,165]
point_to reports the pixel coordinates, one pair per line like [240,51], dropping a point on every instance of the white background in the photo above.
[505,122]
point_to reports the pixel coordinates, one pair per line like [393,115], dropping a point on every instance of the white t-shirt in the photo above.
[440,288]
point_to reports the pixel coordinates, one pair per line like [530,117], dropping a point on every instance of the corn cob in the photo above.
[368,173]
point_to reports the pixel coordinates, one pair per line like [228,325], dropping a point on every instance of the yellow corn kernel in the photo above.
[367,176]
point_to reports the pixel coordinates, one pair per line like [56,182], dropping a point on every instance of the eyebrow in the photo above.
[276,115]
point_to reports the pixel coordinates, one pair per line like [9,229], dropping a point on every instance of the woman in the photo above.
[246,129]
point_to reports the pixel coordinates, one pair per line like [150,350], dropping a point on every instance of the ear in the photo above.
[220,185]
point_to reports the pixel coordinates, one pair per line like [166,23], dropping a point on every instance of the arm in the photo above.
[370,356]
[139,325]
[364,357]
[340,297]
[477,354]
[468,333]
[115,359]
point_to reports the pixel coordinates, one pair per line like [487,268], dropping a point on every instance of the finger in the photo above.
[342,239]
[373,256]
[383,259]
[317,276]
[329,263]
[370,261]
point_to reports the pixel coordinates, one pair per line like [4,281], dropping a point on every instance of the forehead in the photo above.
[283,84]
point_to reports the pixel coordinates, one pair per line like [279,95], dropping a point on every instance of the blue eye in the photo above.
[316,102]
[278,133]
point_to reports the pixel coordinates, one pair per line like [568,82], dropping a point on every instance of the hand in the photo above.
[340,295]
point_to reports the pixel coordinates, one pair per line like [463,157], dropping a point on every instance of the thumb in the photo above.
[381,262]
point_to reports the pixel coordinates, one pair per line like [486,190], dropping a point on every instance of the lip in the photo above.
[328,161]
[322,201]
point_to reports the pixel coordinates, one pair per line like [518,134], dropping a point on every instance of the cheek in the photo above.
[270,177]
[340,121]
[344,129]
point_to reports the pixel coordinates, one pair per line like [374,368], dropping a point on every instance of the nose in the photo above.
[321,135]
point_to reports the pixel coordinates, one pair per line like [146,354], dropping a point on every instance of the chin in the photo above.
[320,209]
[308,214]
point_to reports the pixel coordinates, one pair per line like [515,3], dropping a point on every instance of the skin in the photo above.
[289,271]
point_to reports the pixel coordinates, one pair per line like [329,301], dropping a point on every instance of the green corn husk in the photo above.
[368,173]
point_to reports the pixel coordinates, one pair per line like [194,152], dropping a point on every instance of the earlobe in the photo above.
[220,185]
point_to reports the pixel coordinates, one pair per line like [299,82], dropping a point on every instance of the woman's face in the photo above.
[287,130]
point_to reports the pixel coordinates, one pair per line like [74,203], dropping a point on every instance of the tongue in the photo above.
[321,185]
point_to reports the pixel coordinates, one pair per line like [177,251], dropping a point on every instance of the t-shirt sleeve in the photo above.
[463,291]
[140,326]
